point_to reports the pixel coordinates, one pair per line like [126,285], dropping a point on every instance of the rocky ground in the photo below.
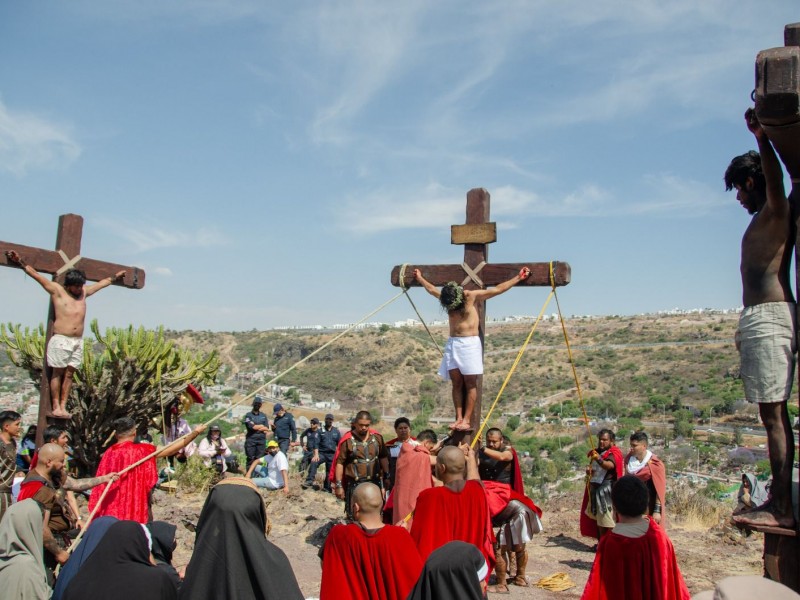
[301,520]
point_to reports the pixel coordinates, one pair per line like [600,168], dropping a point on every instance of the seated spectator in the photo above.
[272,471]
[164,544]
[456,570]
[215,451]
[25,449]
[367,559]
[752,494]
[22,573]
[120,568]
[636,559]
[97,529]
[232,557]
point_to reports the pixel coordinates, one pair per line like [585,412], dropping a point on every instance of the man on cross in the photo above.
[766,335]
[65,349]
[463,355]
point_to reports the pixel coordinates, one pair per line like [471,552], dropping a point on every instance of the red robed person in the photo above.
[636,559]
[129,498]
[606,466]
[641,462]
[368,560]
[458,510]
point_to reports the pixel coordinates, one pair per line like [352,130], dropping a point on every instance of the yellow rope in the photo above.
[513,367]
[557,582]
[571,360]
[405,291]
[207,423]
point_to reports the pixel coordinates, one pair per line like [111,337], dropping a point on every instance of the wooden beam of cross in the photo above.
[67,255]
[476,273]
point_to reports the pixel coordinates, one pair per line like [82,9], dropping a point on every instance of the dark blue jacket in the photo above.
[284,427]
[312,439]
[329,440]
[251,419]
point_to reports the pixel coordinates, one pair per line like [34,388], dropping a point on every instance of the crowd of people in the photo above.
[421,515]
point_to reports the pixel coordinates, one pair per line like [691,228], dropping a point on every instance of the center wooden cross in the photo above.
[475,272]
[65,257]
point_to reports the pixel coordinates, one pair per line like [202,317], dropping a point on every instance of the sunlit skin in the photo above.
[639,450]
[11,430]
[403,431]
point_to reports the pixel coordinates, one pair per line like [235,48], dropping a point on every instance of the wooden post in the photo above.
[68,249]
[475,272]
[777,98]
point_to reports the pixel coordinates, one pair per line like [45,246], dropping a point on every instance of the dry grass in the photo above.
[689,508]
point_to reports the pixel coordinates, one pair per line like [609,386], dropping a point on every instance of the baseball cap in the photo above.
[277,408]
[258,400]
[329,416]
[272,444]
[315,420]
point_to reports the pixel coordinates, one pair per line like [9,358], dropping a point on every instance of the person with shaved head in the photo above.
[47,484]
[458,510]
[368,560]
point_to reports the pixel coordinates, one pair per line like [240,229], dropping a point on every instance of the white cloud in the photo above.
[30,142]
[144,237]
[165,271]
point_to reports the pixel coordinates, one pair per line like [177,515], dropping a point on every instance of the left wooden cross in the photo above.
[67,255]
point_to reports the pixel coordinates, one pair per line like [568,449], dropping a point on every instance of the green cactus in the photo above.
[125,372]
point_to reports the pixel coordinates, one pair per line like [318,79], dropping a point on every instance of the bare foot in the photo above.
[454,425]
[59,414]
[764,517]
[463,426]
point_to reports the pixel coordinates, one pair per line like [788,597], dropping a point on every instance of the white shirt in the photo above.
[275,464]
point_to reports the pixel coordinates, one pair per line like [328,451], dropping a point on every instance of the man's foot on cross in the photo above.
[59,414]
[463,425]
[454,425]
[764,516]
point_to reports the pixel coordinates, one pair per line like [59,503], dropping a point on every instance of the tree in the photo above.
[128,372]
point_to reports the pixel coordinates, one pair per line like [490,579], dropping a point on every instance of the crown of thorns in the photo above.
[452,296]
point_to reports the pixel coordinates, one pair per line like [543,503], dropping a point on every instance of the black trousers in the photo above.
[254,449]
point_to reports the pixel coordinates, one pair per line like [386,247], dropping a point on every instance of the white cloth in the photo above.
[64,351]
[633,530]
[464,354]
[634,465]
[208,451]
[275,464]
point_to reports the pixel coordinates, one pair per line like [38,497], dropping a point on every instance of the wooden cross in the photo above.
[475,272]
[66,256]
[777,100]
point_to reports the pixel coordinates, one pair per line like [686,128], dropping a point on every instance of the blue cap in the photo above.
[258,400]
[277,408]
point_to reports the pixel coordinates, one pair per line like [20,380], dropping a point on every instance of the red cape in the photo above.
[498,495]
[128,497]
[362,566]
[413,475]
[28,489]
[655,470]
[589,525]
[635,568]
[443,515]
[345,437]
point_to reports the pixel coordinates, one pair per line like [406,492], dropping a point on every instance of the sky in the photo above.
[268,163]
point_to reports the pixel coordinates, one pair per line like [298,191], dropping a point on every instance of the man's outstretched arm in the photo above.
[523,274]
[103,283]
[431,289]
[50,286]
[180,443]
[770,165]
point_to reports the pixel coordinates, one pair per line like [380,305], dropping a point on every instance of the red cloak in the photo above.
[128,498]
[367,566]
[345,437]
[589,525]
[654,470]
[635,568]
[443,515]
[413,475]
[498,495]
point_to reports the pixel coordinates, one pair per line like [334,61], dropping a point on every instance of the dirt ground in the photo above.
[301,520]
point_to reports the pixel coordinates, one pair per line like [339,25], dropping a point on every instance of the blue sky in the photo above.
[268,163]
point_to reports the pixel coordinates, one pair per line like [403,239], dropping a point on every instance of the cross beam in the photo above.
[66,256]
[476,272]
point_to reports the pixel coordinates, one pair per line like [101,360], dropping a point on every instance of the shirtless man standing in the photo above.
[766,336]
[463,355]
[65,349]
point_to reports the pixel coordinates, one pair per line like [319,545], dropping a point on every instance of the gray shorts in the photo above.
[767,349]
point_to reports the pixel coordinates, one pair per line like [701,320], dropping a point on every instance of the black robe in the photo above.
[232,558]
[453,571]
[120,568]
[164,544]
